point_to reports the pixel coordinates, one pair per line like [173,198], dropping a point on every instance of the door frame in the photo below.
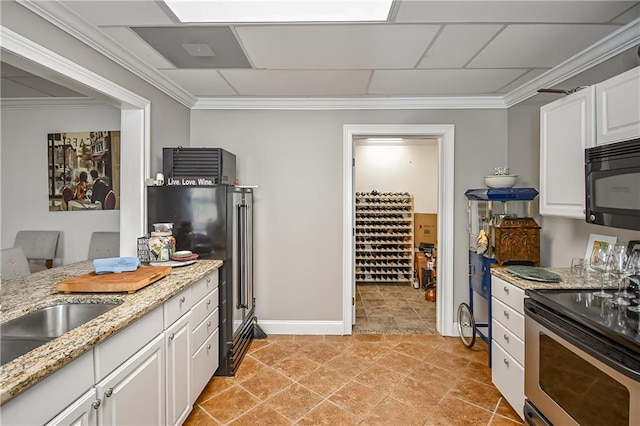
[444,134]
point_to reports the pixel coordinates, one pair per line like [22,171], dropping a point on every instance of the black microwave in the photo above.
[612,184]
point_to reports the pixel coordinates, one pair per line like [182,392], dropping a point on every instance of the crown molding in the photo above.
[52,102]
[479,102]
[615,43]
[71,23]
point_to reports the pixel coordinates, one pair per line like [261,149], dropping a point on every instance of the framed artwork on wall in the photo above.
[599,240]
[83,170]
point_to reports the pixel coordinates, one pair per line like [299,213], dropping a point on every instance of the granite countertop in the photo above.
[19,296]
[568,280]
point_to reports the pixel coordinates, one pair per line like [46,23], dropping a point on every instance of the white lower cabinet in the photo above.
[149,373]
[134,393]
[177,339]
[83,412]
[507,342]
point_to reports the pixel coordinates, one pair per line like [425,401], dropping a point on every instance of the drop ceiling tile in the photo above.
[298,83]
[441,82]
[136,45]
[201,82]
[511,11]
[538,46]
[457,44]
[170,41]
[119,12]
[628,16]
[366,46]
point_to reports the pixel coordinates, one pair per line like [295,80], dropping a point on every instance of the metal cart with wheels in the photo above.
[501,230]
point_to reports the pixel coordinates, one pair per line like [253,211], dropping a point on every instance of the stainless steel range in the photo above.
[582,360]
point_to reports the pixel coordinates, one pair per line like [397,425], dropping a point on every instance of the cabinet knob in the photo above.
[171,336]
[506,314]
[208,302]
[209,346]
[506,289]
[506,362]
[96,404]
[208,280]
[506,338]
[208,324]
[109,392]
[182,299]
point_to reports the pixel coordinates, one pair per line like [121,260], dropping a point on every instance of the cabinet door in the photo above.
[83,412]
[566,129]
[618,106]
[508,376]
[204,364]
[178,370]
[134,393]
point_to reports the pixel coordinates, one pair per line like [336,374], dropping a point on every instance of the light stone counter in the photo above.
[568,280]
[20,296]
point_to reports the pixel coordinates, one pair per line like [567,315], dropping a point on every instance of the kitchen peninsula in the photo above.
[188,292]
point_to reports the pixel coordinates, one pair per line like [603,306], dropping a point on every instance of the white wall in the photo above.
[296,159]
[23,160]
[411,167]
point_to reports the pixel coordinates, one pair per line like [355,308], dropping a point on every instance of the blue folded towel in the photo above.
[115,264]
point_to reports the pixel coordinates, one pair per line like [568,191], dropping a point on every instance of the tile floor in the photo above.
[362,379]
[393,308]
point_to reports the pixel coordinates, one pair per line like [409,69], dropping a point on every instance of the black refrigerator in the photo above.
[216,222]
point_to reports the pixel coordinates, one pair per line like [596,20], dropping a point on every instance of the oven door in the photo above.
[570,386]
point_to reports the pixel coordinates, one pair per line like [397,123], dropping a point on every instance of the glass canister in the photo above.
[162,244]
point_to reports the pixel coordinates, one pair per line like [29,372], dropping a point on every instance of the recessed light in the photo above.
[280,11]
[198,49]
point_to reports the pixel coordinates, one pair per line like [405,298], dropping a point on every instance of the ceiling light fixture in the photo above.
[230,11]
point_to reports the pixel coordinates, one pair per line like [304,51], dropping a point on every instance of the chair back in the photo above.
[13,263]
[104,245]
[110,201]
[39,247]
[67,194]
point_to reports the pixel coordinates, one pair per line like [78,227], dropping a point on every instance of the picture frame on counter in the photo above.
[597,239]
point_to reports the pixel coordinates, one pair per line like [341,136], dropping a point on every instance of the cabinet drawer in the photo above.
[204,286]
[509,341]
[177,306]
[507,293]
[203,330]
[204,307]
[508,317]
[204,363]
[508,376]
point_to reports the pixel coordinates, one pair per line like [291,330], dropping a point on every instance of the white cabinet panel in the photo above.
[134,394]
[618,108]
[178,370]
[567,127]
[509,317]
[507,293]
[205,363]
[80,413]
[508,340]
[508,376]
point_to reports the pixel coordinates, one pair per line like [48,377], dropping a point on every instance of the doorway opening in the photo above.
[396,203]
[444,137]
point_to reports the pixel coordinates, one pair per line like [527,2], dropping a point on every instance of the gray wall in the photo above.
[296,159]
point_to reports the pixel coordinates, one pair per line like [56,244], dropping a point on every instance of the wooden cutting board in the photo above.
[117,282]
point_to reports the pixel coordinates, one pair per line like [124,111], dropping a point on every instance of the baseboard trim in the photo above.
[301,327]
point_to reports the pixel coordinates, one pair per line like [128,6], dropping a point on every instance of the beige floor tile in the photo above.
[295,401]
[296,366]
[328,414]
[392,412]
[266,383]
[230,404]
[458,412]
[357,399]
[262,416]
[325,380]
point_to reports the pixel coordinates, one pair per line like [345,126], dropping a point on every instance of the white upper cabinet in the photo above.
[618,107]
[567,127]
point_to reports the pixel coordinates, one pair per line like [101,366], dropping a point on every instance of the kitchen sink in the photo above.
[23,334]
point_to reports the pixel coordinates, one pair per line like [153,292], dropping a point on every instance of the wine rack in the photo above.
[384,237]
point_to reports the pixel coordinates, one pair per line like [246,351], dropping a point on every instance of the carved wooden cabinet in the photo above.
[517,240]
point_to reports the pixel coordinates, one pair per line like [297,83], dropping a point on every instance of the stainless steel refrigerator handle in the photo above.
[242,257]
